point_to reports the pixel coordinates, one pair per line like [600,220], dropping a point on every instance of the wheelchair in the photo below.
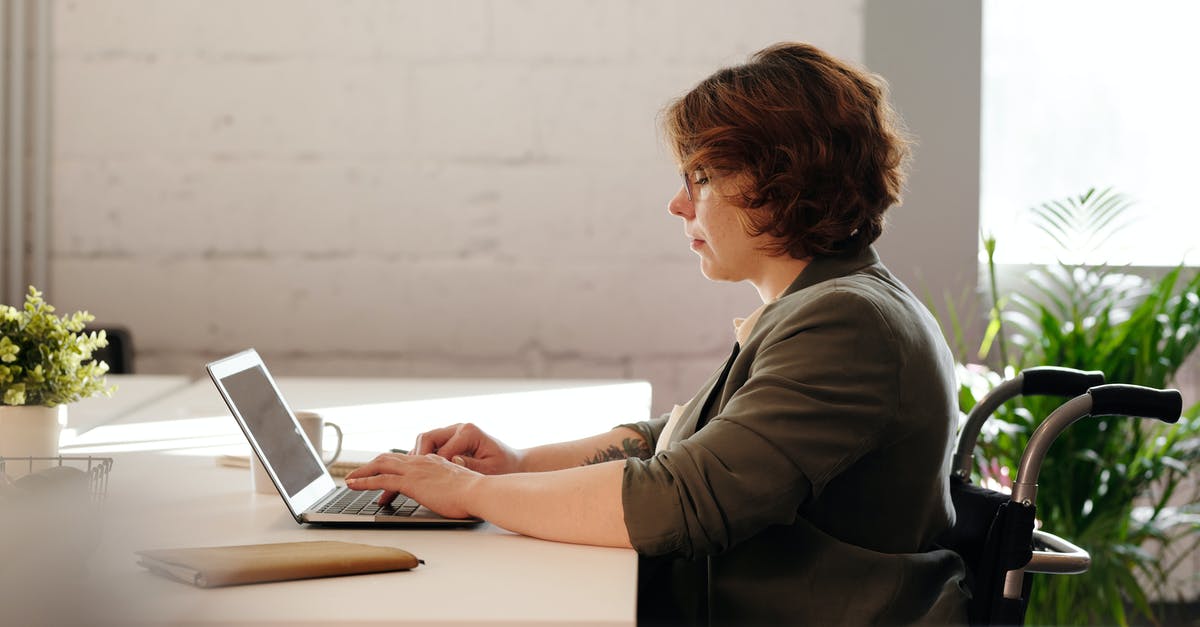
[994,532]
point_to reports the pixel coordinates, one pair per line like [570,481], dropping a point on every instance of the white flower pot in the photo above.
[29,432]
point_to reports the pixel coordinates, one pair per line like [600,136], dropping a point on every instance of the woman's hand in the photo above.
[468,446]
[432,481]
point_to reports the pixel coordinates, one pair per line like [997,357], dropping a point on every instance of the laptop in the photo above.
[291,461]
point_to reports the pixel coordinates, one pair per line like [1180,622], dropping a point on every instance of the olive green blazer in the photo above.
[806,482]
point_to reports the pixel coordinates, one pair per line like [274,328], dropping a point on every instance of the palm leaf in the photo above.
[1082,225]
[1054,224]
[1103,220]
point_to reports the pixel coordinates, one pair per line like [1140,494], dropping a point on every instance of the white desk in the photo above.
[169,492]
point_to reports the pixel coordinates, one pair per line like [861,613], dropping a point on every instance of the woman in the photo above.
[807,480]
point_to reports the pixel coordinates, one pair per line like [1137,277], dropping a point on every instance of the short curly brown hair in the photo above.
[823,151]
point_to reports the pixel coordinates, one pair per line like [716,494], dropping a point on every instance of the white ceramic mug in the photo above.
[313,425]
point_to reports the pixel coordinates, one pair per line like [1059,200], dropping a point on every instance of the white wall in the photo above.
[438,188]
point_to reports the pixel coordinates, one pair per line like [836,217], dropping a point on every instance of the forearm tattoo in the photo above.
[630,447]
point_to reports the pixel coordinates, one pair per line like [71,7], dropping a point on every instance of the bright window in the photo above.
[1094,93]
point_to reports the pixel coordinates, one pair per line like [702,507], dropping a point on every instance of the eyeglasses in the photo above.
[702,177]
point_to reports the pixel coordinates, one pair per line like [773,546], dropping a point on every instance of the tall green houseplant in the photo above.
[1110,484]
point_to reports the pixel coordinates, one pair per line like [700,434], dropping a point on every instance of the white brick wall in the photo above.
[449,188]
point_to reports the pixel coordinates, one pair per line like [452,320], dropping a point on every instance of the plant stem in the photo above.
[990,247]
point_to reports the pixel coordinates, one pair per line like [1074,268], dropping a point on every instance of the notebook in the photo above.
[293,464]
[215,566]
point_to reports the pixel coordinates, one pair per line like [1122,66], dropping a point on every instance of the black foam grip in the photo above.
[1056,381]
[1121,399]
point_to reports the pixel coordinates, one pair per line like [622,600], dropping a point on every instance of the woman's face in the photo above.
[710,222]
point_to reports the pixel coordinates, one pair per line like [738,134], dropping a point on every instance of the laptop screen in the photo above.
[277,434]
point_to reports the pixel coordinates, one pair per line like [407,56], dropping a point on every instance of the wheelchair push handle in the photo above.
[1042,380]
[1056,381]
[1102,400]
[1134,400]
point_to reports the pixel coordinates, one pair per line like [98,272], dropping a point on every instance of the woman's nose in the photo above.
[679,205]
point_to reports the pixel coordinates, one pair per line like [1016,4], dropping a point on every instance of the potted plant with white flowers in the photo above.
[45,364]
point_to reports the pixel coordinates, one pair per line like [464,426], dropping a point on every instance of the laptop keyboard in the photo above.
[365,503]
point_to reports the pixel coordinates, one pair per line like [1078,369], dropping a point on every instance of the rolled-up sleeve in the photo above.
[821,388]
[648,429]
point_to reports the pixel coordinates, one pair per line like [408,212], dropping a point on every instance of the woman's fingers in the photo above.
[382,473]
[377,482]
[470,463]
[387,497]
[431,441]
[374,474]
[465,441]
[433,481]
[387,463]
[373,482]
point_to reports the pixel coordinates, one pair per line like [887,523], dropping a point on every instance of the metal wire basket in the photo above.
[95,469]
